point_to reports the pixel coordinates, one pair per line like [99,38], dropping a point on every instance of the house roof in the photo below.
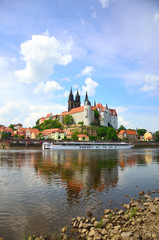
[48,115]
[53,130]
[82,135]
[130,132]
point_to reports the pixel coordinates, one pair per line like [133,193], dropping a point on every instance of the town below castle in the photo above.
[80,122]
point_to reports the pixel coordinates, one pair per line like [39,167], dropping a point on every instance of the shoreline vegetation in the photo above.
[138,220]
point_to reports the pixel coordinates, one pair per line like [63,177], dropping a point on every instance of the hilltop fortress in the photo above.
[107,117]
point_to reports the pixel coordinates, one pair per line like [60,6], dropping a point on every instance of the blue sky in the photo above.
[107,47]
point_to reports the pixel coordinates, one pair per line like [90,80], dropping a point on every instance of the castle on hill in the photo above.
[107,117]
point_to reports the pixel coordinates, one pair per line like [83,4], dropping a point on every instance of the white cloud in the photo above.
[66,94]
[121,109]
[151,83]
[105,3]
[90,87]
[49,86]
[125,123]
[26,113]
[87,71]
[156,17]
[41,54]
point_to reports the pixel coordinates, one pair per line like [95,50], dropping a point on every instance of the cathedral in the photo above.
[85,113]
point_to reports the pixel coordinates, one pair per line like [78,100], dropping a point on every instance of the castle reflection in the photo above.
[80,172]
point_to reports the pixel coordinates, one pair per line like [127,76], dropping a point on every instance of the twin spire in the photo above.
[77,103]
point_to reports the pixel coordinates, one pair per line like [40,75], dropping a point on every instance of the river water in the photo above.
[41,191]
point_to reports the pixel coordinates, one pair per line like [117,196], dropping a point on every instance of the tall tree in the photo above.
[68,120]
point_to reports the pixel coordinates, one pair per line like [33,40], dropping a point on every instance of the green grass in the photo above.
[132,212]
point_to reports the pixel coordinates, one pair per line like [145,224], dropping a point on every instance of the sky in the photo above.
[109,48]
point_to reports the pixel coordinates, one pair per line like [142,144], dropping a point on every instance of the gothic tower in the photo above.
[73,103]
[70,101]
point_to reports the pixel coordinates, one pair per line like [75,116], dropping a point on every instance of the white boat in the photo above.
[85,145]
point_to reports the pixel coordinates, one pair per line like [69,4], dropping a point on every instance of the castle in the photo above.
[107,117]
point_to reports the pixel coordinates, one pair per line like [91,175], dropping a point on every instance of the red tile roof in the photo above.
[130,132]
[53,130]
[73,110]
[113,112]
[82,135]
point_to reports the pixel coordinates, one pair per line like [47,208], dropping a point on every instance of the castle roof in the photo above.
[73,110]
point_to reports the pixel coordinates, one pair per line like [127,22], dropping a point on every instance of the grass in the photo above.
[132,212]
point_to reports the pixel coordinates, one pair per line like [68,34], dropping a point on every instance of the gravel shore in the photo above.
[139,220]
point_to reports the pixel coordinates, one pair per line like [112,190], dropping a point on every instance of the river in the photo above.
[41,191]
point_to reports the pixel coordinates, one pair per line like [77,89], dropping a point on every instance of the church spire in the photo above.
[94,103]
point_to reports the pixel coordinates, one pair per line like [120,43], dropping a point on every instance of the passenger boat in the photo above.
[85,145]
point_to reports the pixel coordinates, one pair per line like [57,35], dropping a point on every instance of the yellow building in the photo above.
[148,136]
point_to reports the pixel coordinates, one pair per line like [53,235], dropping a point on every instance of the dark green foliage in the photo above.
[121,128]
[11,126]
[157,136]
[74,136]
[92,138]
[141,132]
[48,124]
[22,136]
[68,120]
[4,135]
[15,136]
[37,122]
[40,136]
[96,118]
[107,133]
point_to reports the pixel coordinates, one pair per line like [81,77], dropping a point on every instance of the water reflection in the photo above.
[41,191]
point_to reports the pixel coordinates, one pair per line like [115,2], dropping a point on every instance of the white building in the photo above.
[108,117]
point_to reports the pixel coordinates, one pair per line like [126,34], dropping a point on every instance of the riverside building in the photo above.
[108,117]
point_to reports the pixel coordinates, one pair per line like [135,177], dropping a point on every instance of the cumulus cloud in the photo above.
[87,71]
[151,83]
[156,17]
[49,86]
[90,87]
[26,113]
[41,54]
[105,3]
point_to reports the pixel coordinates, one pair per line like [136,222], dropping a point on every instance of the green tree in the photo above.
[75,135]
[40,136]
[22,136]
[16,136]
[96,118]
[102,131]
[157,136]
[4,135]
[141,132]
[11,126]
[111,134]
[121,128]
[37,122]
[68,120]
[48,124]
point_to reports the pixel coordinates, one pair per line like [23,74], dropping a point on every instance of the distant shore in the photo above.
[36,144]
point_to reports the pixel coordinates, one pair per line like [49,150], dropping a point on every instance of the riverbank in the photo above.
[138,221]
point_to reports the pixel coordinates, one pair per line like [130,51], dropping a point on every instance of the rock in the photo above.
[153,209]
[126,235]
[126,206]
[96,223]
[147,197]
[78,219]
[89,214]
[64,229]
[120,212]
[104,231]
[91,233]
[141,193]
[87,225]
[106,211]
[97,236]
